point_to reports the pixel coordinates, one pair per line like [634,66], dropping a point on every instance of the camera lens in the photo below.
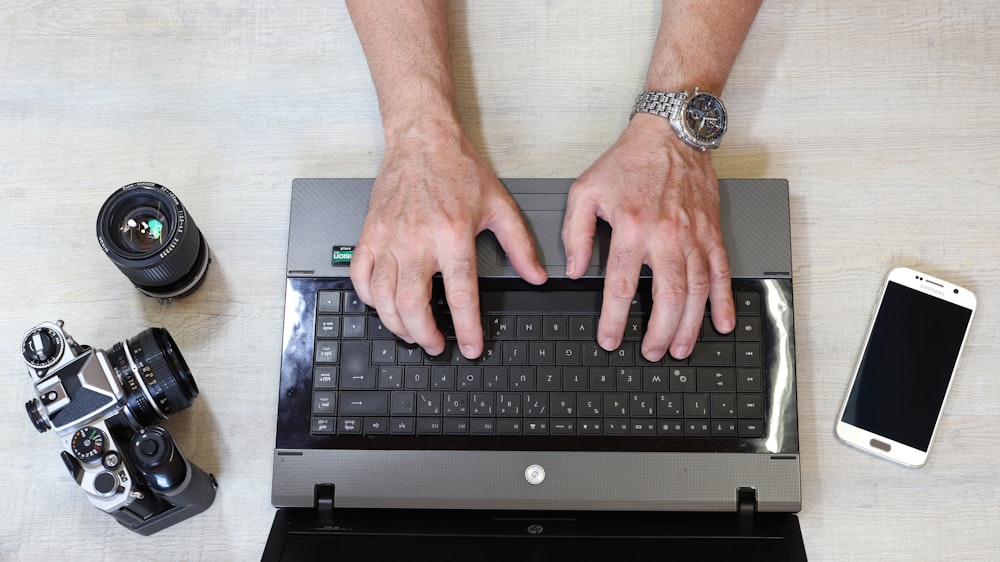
[155,377]
[148,234]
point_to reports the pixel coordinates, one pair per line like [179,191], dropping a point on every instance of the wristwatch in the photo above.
[699,118]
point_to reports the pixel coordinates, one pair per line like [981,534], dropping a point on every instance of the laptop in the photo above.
[546,447]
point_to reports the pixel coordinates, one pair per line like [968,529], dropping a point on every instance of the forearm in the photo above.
[697,43]
[406,44]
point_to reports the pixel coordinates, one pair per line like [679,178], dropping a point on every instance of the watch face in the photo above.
[705,119]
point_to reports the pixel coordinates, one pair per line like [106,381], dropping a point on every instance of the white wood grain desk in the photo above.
[883,116]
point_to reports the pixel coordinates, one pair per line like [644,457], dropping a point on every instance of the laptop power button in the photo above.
[534,474]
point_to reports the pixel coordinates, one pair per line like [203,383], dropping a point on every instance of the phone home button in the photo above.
[880,445]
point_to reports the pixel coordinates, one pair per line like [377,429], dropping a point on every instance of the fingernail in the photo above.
[570,263]
[681,352]
[469,352]
[609,343]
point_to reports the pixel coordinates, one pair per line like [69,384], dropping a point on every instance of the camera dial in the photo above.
[88,444]
[42,347]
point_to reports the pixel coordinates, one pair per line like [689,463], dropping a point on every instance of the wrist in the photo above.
[425,130]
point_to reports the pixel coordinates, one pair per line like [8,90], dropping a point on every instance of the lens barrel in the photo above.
[146,231]
[156,379]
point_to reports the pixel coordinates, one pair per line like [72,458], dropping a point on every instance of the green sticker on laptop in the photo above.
[342,254]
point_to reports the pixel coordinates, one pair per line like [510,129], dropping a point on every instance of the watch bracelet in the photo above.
[664,104]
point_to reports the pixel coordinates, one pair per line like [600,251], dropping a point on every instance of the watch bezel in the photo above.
[689,134]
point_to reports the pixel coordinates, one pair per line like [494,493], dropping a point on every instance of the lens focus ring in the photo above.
[163,371]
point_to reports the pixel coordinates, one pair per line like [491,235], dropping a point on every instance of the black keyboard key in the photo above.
[327,351]
[482,426]
[536,426]
[642,405]
[529,328]
[669,405]
[403,403]
[456,426]
[409,353]
[456,404]
[354,327]
[723,405]
[325,377]
[350,426]
[748,354]
[628,378]
[750,405]
[470,378]
[482,404]
[328,301]
[713,354]
[327,326]
[417,377]
[429,403]
[402,426]
[390,377]
[555,328]
[749,380]
[324,402]
[356,403]
[443,378]
[376,426]
[747,303]
[602,378]
[428,426]
[682,379]
[581,328]
[522,378]
[548,379]
[696,406]
[495,378]
[353,304]
[716,380]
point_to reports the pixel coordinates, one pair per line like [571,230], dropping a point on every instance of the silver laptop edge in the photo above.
[758,210]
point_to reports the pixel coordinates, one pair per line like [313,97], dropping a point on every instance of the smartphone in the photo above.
[906,367]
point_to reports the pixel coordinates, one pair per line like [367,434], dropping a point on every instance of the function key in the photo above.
[747,302]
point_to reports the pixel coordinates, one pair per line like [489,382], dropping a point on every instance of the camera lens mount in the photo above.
[146,231]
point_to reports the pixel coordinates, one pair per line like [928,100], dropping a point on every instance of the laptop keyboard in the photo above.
[541,374]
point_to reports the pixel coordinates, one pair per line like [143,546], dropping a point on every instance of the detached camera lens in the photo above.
[148,234]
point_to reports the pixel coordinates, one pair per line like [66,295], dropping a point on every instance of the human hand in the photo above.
[430,200]
[661,198]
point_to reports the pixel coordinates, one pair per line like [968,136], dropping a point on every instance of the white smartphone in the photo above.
[906,367]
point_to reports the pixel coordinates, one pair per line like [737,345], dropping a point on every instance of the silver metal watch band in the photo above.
[664,104]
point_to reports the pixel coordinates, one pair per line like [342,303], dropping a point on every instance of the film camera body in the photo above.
[103,406]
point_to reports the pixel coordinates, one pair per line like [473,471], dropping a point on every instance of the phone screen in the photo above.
[904,373]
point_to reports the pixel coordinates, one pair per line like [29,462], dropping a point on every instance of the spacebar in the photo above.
[540,302]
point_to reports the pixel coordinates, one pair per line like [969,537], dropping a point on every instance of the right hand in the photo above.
[432,197]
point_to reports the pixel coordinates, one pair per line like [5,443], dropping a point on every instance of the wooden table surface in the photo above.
[883,116]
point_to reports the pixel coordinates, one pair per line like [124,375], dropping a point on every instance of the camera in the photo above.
[152,239]
[103,405]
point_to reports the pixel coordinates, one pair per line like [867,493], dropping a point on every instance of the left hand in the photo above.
[661,198]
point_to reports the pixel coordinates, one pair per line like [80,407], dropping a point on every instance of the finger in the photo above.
[721,290]
[620,283]
[413,302]
[692,309]
[669,293]
[579,227]
[461,290]
[383,295]
[514,238]
[362,263]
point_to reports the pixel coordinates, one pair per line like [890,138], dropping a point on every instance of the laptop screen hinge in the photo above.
[324,504]
[746,502]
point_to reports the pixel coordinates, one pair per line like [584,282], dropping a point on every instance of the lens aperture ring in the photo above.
[162,371]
